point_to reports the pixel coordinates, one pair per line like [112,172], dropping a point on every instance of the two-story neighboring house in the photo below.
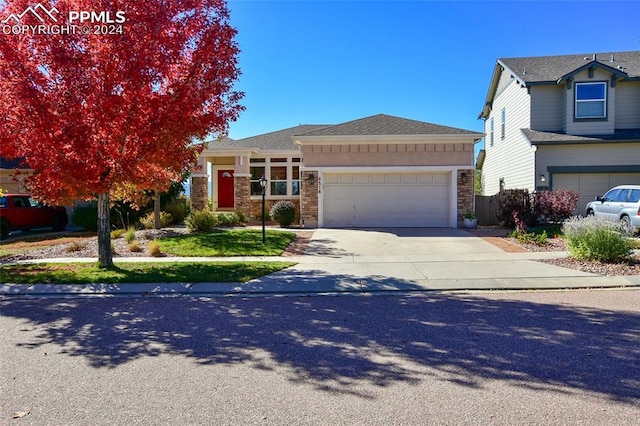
[570,121]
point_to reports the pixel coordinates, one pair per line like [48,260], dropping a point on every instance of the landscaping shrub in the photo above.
[148,221]
[154,248]
[515,200]
[228,219]
[117,233]
[86,216]
[178,209]
[283,212]
[241,216]
[555,206]
[134,246]
[599,239]
[130,235]
[201,221]
[523,235]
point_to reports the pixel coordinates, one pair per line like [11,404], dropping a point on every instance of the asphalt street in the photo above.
[544,357]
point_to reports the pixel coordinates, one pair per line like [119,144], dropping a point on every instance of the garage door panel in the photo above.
[391,199]
[590,185]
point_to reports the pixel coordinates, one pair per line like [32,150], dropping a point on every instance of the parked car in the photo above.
[620,203]
[21,212]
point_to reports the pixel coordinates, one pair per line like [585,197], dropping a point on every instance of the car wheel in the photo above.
[589,212]
[60,222]
[4,229]
[625,223]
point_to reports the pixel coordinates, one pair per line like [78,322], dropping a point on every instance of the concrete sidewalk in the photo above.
[346,261]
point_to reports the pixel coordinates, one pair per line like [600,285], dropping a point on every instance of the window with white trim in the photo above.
[491,131]
[503,120]
[282,173]
[591,100]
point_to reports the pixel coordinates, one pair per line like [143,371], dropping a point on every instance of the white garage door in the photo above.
[589,185]
[386,199]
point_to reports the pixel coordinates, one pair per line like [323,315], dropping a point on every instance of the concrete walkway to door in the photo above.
[415,259]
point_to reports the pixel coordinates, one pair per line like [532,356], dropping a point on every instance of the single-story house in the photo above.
[376,171]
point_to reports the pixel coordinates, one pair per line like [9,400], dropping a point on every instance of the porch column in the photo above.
[309,199]
[199,185]
[242,193]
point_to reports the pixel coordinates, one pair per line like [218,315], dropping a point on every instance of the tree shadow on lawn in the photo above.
[335,343]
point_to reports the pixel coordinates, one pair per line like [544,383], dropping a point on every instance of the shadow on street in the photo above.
[333,343]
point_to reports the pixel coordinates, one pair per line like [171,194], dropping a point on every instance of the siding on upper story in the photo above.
[548,109]
[510,158]
[605,154]
[591,127]
[627,105]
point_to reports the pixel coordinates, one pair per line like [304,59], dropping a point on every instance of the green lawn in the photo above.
[77,273]
[234,242]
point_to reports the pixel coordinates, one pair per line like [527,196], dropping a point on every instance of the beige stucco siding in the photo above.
[388,154]
[627,104]
[607,154]
[510,158]
[591,127]
[548,110]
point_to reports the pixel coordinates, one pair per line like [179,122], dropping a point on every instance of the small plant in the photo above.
[134,247]
[555,206]
[228,219]
[241,216]
[130,235]
[75,246]
[149,221]
[117,233]
[154,248]
[201,221]
[533,238]
[470,215]
[283,212]
[178,209]
[599,239]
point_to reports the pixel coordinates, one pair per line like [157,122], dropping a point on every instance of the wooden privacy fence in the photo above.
[487,209]
[496,209]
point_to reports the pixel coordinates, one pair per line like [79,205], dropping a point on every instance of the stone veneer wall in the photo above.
[242,194]
[199,192]
[465,193]
[309,199]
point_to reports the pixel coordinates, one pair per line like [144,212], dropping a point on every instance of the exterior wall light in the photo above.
[311,179]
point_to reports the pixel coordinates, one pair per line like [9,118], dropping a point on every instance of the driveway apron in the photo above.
[384,259]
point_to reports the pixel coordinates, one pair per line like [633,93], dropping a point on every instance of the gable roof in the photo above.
[535,70]
[280,140]
[382,125]
[551,69]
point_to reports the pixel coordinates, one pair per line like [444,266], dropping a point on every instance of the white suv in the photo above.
[620,203]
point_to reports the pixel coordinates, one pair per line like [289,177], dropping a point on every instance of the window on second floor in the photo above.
[503,120]
[591,100]
[491,131]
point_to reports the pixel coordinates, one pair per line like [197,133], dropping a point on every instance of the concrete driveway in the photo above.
[420,259]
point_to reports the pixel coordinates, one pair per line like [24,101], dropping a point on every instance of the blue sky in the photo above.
[327,62]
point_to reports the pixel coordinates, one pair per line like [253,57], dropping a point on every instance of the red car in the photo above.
[21,212]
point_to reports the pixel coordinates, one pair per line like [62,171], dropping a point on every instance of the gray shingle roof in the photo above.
[548,138]
[280,140]
[540,69]
[381,124]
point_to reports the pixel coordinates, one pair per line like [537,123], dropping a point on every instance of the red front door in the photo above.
[225,189]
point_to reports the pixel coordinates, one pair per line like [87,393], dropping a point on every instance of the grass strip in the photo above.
[234,242]
[142,272]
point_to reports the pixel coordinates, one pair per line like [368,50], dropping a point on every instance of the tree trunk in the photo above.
[105,254]
[156,210]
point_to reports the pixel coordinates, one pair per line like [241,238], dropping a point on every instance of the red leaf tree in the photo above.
[91,112]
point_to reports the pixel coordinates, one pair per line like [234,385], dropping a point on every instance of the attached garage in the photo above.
[589,185]
[421,199]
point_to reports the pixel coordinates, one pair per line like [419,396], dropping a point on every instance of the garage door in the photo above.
[386,199]
[589,185]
